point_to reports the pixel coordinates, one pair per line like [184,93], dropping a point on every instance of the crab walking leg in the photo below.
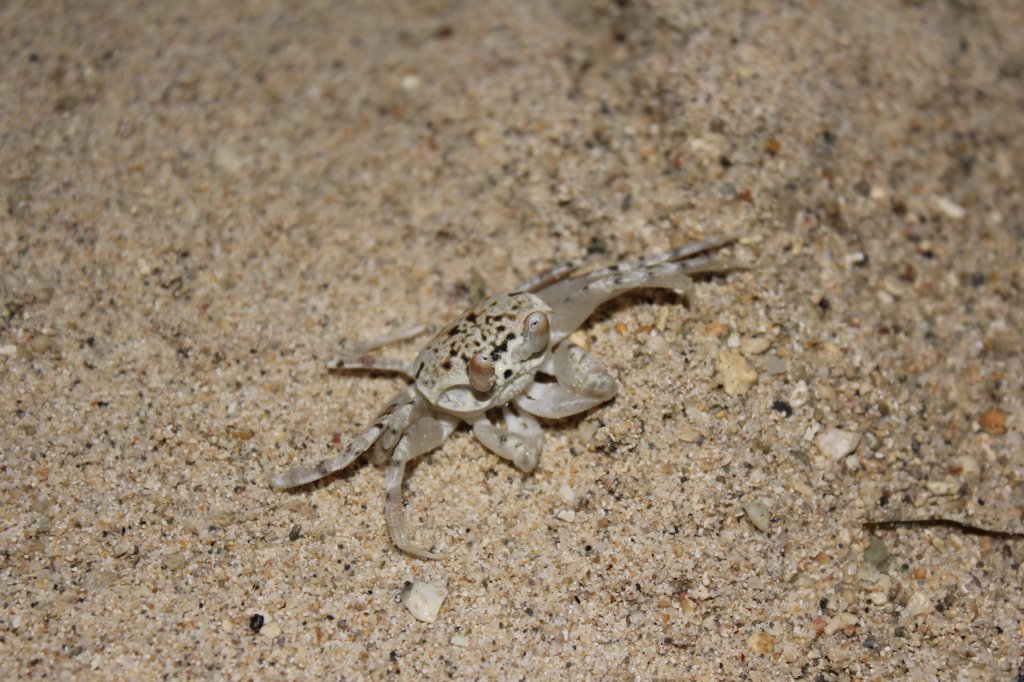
[551,275]
[360,357]
[404,335]
[573,305]
[682,252]
[583,382]
[373,362]
[520,442]
[558,288]
[392,420]
[406,408]
[304,474]
[422,437]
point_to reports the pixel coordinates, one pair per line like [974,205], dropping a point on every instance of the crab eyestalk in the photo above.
[536,334]
[481,373]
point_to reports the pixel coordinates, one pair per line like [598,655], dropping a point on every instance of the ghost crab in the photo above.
[487,368]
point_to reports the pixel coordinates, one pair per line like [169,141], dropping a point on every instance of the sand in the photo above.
[201,202]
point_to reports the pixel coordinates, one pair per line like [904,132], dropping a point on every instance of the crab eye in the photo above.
[536,333]
[481,372]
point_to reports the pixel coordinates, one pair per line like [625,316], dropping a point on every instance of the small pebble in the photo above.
[580,338]
[837,443]
[8,349]
[657,345]
[174,561]
[460,640]
[226,159]
[758,515]
[941,487]
[41,343]
[950,209]
[761,643]
[968,468]
[1003,344]
[734,372]
[917,605]
[993,421]
[588,429]
[773,364]
[856,258]
[271,630]
[877,552]
[755,345]
[686,432]
[410,82]
[800,394]
[423,600]
[840,622]
[567,515]
[895,287]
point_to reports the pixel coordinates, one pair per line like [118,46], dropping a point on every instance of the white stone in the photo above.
[941,487]
[423,600]
[837,443]
[755,345]
[758,515]
[950,209]
[735,373]
[840,622]
[917,605]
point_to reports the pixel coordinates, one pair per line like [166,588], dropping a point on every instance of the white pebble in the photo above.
[460,640]
[811,431]
[588,429]
[840,622]
[969,468]
[837,443]
[755,345]
[878,598]
[735,373]
[686,432]
[226,159]
[895,287]
[758,515]
[657,345]
[941,487]
[423,600]
[917,605]
[950,209]
[800,394]
[567,515]
[271,630]
[8,349]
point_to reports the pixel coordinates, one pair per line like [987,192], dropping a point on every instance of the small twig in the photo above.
[965,528]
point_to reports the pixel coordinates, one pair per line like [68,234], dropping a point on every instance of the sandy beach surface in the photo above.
[202,202]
